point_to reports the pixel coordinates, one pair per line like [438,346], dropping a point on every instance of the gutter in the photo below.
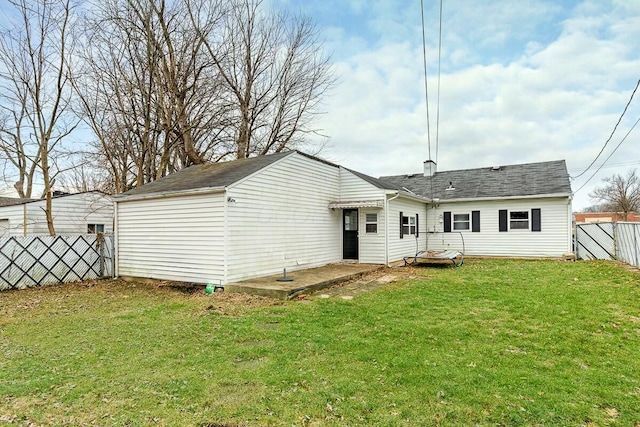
[532,196]
[166,194]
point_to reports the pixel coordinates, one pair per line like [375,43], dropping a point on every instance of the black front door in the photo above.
[350,234]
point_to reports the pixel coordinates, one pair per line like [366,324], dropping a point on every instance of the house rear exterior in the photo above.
[226,222]
[514,211]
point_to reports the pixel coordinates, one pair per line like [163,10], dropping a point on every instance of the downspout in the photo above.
[571,239]
[386,227]
[116,229]
[225,238]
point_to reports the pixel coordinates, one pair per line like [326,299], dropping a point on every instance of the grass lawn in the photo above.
[494,343]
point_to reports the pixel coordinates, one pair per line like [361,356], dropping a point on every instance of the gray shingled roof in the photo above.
[377,182]
[11,201]
[531,179]
[208,175]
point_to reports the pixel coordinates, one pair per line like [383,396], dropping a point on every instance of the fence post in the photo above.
[100,241]
[615,240]
[635,243]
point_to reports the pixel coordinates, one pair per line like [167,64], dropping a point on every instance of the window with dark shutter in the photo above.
[475,221]
[401,233]
[502,220]
[447,222]
[417,226]
[535,220]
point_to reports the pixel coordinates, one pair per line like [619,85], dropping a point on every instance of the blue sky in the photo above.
[522,81]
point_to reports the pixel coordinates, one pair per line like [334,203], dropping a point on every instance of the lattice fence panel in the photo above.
[41,260]
[595,241]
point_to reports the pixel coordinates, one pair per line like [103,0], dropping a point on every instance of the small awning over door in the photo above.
[355,204]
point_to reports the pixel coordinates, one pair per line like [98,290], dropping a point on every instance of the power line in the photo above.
[610,165]
[426,86]
[610,136]
[439,68]
[605,160]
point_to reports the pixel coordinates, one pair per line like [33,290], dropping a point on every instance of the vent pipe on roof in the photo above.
[429,168]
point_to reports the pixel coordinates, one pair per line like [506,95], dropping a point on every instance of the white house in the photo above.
[87,212]
[516,211]
[225,222]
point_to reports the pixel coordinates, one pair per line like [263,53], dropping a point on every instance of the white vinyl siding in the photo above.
[372,244]
[281,218]
[353,187]
[400,248]
[552,241]
[71,215]
[176,238]
[4,227]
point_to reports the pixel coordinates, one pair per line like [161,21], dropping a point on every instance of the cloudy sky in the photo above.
[521,81]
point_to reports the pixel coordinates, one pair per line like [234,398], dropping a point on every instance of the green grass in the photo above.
[494,343]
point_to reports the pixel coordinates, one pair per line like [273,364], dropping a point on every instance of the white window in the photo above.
[95,228]
[408,225]
[460,222]
[519,220]
[371,223]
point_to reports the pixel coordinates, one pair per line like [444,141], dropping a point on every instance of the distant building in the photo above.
[591,217]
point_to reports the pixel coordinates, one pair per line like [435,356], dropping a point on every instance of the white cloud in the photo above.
[522,82]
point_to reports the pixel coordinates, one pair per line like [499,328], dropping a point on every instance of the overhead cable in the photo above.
[613,132]
[605,160]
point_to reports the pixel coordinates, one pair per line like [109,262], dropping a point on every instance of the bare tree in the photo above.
[148,90]
[621,194]
[35,93]
[170,83]
[275,75]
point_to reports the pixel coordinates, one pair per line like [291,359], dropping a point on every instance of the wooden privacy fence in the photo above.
[609,241]
[28,261]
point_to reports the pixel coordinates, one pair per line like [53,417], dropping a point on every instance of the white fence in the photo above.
[609,241]
[42,260]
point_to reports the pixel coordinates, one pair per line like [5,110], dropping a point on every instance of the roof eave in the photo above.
[167,194]
[408,195]
[481,199]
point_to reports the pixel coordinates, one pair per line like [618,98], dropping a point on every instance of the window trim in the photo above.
[465,223]
[94,228]
[368,222]
[525,222]
[409,225]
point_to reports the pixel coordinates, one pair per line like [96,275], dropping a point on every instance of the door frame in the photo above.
[357,233]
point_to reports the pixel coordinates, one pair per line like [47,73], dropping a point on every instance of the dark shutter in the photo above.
[502,220]
[535,220]
[475,221]
[401,235]
[447,222]
[417,226]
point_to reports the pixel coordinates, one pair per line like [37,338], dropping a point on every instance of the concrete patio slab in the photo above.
[304,281]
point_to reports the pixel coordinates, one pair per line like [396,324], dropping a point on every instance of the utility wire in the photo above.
[610,165]
[426,86]
[605,160]
[610,136]
[439,68]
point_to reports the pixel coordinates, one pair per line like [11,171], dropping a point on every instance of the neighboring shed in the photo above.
[72,214]
[516,210]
